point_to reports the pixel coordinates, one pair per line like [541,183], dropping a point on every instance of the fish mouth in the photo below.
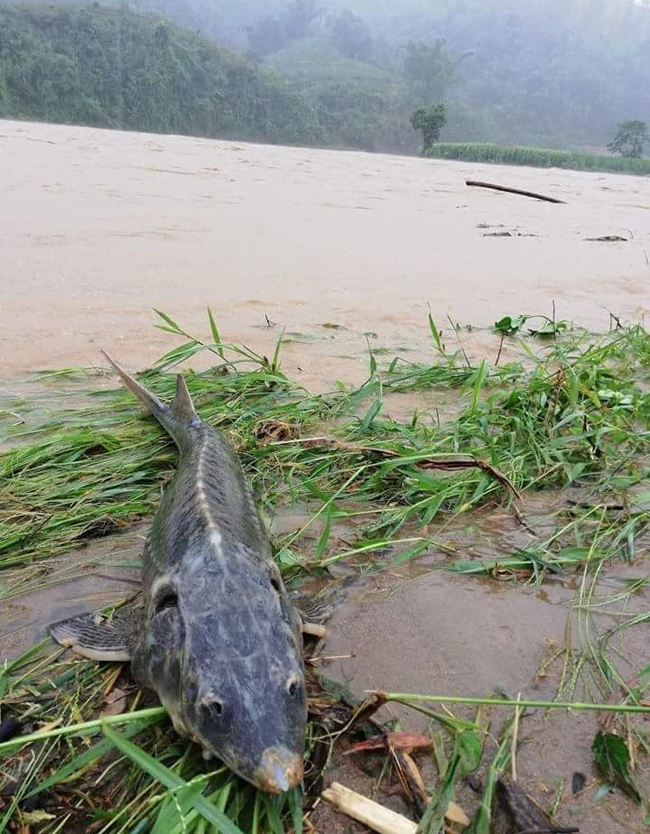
[279,771]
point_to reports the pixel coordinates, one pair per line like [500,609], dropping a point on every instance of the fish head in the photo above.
[226,662]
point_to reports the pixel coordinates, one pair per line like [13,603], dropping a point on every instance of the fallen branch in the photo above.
[442,462]
[525,813]
[400,741]
[376,816]
[532,194]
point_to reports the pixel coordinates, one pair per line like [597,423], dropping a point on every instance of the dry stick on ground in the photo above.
[376,816]
[445,463]
[532,194]
[314,629]
[370,813]
[525,813]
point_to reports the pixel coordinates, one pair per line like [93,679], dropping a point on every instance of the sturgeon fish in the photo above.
[216,636]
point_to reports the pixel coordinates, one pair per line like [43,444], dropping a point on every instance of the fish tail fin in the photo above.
[173,418]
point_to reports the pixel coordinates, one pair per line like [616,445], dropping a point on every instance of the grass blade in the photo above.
[170,780]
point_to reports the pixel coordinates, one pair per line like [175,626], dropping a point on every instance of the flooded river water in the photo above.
[100,227]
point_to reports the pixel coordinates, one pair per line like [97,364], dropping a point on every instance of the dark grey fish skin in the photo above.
[219,641]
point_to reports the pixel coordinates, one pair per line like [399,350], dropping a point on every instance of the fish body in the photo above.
[217,638]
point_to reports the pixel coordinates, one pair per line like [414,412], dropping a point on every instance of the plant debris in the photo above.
[573,412]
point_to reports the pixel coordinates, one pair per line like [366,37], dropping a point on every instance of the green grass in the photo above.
[536,157]
[575,411]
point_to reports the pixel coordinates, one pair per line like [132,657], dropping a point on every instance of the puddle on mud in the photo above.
[103,573]
[462,636]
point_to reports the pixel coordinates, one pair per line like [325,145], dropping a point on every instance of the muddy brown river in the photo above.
[99,227]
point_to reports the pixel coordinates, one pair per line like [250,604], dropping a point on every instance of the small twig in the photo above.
[447,464]
[554,327]
[326,658]
[303,440]
[503,336]
[369,813]
[518,191]
[462,349]
[616,320]
[520,518]
[376,816]
[364,712]
[513,745]
[407,787]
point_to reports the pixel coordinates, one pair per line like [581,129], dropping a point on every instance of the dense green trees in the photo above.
[544,72]
[113,68]
[553,73]
[430,68]
[108,67]
[270,33]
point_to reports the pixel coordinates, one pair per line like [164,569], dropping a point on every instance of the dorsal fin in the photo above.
[183,407]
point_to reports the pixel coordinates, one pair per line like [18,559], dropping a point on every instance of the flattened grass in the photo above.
[574,413]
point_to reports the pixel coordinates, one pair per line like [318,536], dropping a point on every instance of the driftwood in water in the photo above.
[532,194]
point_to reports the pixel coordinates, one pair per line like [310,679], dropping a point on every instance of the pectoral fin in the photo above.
[95,636]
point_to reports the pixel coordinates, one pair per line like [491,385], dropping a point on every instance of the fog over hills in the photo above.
[549,73]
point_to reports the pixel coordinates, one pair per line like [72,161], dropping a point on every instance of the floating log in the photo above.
[521,193]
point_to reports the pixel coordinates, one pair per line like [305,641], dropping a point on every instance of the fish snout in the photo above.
[280,770]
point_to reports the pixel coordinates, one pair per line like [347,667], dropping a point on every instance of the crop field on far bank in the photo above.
[537,157]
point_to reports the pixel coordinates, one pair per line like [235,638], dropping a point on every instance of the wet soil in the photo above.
[103,573]
[447,635]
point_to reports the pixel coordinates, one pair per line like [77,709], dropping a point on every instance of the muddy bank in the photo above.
[100,226]
[447,635]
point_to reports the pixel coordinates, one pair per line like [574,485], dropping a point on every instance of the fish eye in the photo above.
[276,584]
[167,599]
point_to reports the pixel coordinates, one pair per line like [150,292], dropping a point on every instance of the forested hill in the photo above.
[556,73]
[334,73]
[110,67]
